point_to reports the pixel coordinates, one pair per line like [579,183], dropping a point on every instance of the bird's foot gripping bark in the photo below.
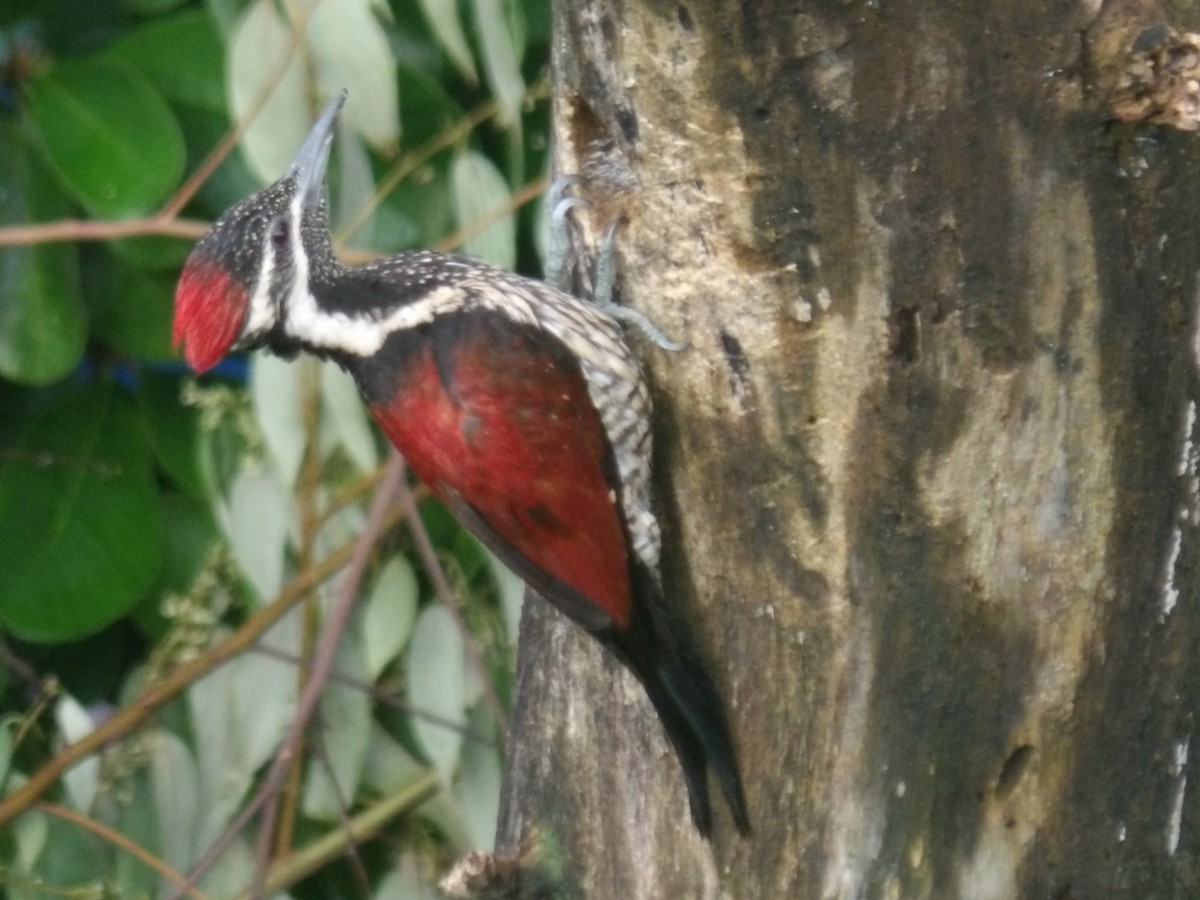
[558,249]
[604,281]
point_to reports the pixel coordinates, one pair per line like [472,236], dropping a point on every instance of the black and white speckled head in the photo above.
[253,266]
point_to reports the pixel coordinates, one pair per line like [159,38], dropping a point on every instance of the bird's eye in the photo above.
[279,233]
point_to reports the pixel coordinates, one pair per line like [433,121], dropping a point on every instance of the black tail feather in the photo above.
[688,748]
[690,708]
[695,695]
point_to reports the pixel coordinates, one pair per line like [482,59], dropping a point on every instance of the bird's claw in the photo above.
[603,286]
[558,249]
[605,283]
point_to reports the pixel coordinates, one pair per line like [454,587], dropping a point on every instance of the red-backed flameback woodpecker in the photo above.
[520,406]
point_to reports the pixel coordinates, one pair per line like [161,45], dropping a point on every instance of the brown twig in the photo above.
[382,696]
[531,191]
[166,221]
[86,230]
[379,520]
[441,585]
[321,751]
[309,515]
[217,155]
[24,672]
[362,827]
[119,840]
[332,628]
[127,719]
[410,162]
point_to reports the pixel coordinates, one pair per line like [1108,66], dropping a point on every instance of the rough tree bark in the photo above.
[928,469]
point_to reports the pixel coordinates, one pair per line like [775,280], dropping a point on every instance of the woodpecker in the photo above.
[520,406]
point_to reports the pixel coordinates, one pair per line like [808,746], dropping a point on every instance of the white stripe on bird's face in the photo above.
[299,292]
[261,315]
[283,279]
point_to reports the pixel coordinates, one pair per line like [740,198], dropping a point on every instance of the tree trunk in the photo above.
[927,468]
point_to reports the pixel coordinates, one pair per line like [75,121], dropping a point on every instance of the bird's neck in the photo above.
[348,312]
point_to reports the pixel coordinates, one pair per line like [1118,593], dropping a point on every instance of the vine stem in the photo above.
[129,718]
[268,795]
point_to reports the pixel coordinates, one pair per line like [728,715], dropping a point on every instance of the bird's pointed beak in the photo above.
[308,168]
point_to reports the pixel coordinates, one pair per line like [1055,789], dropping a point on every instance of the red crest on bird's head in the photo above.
[210,307]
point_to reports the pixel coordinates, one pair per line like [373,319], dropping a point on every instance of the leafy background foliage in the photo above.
[148,518]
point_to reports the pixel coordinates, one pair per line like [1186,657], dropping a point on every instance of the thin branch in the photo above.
[289,870]
[308,514]
[165,222]
[129,718]
[119,840]
[88,230]
[410,162]
[350,848]
[454,134]
[34,686]
[217,155]
[379,520]
[331,633]
[382,696]
[433,568]
[359,488]
[531,191]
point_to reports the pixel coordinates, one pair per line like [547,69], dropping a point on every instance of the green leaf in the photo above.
[239,713]
[350,50]
[133,316]
[443,19]
[225,13]
[389,767]
[7,725]
[66,865]
[182,55]
[353,184]
[477,787]
[152,6]
[176,796]
[173,431]
[418,212]
[80,522]
[428,109]
[138,822]
[74,724]
[256,521]
[108,134]
[280,390]
[232,181]
[388,614]
[480,192]
[43,325]
[30,835]
[190,537]
[437,684]
[404,882]
[512,595]
[154,252]
[501,58]
[344,418]
[59,29]
[345,723]
[259,42]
